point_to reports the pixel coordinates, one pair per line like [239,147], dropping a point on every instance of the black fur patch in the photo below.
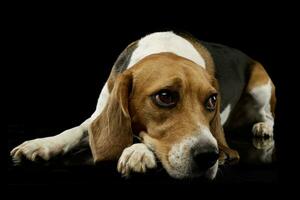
[123,60]
[231,69]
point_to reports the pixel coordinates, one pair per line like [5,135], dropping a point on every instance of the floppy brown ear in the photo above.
[216,126]
[217,130]
[110,133]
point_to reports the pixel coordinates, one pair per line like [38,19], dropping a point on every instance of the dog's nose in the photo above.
[206,160]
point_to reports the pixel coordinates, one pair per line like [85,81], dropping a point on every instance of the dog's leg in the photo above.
[263,115]
[257,105]
[46,148]
[262,106]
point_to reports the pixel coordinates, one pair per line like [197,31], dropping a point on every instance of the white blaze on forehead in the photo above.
[180,158]
[165,42]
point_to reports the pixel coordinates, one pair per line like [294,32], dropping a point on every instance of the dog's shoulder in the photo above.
[231,70]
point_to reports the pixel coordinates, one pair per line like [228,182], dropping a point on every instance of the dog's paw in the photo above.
[263,143]
[228,156]
[43,148]
[262,129]
[136,158]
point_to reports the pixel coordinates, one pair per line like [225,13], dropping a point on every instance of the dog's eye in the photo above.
[211,103]
[166,98]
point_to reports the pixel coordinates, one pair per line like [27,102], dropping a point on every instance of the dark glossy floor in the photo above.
[258,164]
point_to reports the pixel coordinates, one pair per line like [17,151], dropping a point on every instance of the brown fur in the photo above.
[111,131]
[131,111]
[257,77]
[165,127]
[225,151]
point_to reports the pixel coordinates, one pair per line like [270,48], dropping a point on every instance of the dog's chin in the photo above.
[209,174]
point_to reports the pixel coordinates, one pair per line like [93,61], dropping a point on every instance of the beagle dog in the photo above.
[175,94]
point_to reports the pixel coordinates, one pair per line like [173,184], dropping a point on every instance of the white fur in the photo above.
[165,42]
[136,158]
[262,112]
[262,129]
[262,151]
[102,101]
[180,158]
[62,143]
[225,114]
[262,95]
[46,148]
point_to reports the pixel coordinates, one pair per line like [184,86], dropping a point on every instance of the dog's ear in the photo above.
[110,133]
[216,127]
[217,130]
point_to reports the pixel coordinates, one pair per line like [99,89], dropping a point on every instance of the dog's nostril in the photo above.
[206,160]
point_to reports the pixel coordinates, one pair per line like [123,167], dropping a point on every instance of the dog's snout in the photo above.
[205,160]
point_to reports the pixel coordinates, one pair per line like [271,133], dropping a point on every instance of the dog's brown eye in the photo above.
[211,103]
[166,98]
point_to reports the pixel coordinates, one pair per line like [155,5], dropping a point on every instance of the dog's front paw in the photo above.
[228,155]
[262,129]
[136,158]
[44,148]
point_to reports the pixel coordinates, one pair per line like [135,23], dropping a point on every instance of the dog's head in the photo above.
[172,104]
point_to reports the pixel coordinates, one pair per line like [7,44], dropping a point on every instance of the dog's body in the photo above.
[163,88]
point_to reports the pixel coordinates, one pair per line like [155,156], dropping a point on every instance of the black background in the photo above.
[61,56]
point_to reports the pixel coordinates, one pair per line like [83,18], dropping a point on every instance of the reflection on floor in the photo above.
[257,151]
[258,164]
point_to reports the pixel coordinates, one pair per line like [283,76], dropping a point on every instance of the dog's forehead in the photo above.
[164,67]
